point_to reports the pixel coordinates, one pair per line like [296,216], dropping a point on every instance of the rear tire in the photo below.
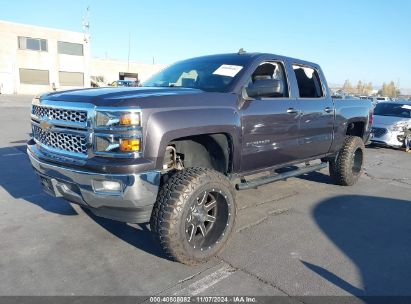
[347,167]
[194,215]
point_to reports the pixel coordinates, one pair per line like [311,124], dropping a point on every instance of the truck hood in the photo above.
[116,96]
[385,121]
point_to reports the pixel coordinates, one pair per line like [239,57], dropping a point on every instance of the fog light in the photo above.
[107,186]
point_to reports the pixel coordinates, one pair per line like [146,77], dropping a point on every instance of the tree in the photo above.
[389,90]
[347,87]
[369,88]
[360,88]
[383,89]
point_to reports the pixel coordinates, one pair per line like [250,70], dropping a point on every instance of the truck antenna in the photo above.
[241,51]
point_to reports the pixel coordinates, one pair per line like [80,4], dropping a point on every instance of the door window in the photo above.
[268,80]
[309,83]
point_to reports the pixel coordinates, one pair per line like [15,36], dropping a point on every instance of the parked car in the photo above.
[123,83]
[390,118]
[175,151]
[366,97]
[381,99]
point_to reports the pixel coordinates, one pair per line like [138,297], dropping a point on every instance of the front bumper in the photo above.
[390,138]
[133,204]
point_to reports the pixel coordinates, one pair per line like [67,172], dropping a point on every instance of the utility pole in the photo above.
[87,55]
[86,24]
[128,58]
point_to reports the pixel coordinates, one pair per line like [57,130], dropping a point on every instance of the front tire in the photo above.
[194,215]
[347,167]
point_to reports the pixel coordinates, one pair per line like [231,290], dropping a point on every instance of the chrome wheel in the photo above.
[194,215]
[207,219]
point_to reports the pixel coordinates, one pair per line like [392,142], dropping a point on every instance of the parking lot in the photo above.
[304,236]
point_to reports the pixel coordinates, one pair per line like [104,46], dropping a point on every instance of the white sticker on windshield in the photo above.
[228,70]
[408,107]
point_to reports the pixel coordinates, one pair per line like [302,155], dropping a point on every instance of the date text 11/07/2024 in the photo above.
[204,299]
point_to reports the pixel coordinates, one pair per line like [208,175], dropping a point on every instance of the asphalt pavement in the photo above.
[303,236]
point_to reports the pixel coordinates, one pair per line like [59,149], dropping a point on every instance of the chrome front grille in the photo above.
[62,127]
[379,132]
[65,142]
[65,115]
[68,130]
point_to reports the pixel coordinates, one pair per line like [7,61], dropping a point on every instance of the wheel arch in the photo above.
[213,124]
[214,151]
[356,128]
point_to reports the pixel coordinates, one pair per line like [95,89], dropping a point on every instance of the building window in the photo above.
[72,79]
[69,48]
[30,76]
[35,44]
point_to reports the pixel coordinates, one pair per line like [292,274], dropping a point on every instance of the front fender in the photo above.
[163,127]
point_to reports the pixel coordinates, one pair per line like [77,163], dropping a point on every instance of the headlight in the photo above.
[118,119]
[130,119]
[117,145]
[398,127]
[117,132]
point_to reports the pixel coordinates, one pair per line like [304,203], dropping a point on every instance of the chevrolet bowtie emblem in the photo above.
[45,125]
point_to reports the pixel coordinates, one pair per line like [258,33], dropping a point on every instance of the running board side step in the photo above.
[280,176]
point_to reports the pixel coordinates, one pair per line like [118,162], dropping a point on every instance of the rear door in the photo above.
[316,112]
[269,123]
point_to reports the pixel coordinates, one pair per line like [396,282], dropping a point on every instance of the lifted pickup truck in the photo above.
[174,152]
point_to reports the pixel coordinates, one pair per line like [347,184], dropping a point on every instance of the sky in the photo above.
[368,40]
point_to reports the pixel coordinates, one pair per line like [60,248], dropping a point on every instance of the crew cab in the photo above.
[175,151]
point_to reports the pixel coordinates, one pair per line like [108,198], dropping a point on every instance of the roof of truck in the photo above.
[245,57]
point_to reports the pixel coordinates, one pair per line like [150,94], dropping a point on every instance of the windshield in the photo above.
[211,75]
[393,109]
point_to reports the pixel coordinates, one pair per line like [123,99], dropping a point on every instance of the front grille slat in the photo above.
[62,141]
[379,132]
[66,115]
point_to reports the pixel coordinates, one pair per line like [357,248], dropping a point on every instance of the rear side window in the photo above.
[309,83]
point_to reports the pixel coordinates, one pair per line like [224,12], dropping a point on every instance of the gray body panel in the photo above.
[261,133]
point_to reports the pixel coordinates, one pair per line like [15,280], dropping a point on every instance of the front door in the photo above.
[269,122]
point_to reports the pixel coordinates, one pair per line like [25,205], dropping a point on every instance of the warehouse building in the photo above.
[105,71]
[36,59]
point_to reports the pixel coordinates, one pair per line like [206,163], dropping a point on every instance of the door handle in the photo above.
[328,110]
[292,111]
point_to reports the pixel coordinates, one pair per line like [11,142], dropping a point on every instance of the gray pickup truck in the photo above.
[175,151]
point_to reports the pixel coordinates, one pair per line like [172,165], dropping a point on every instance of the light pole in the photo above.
[128,58]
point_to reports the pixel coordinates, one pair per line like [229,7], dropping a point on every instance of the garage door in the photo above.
[31,76]
[72,79]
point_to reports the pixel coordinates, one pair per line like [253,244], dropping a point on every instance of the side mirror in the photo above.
[244,94]
[265,88]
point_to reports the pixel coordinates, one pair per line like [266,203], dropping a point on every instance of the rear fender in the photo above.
[348,112]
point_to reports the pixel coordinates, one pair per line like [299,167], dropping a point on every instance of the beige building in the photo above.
[105,71]
[36,59]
